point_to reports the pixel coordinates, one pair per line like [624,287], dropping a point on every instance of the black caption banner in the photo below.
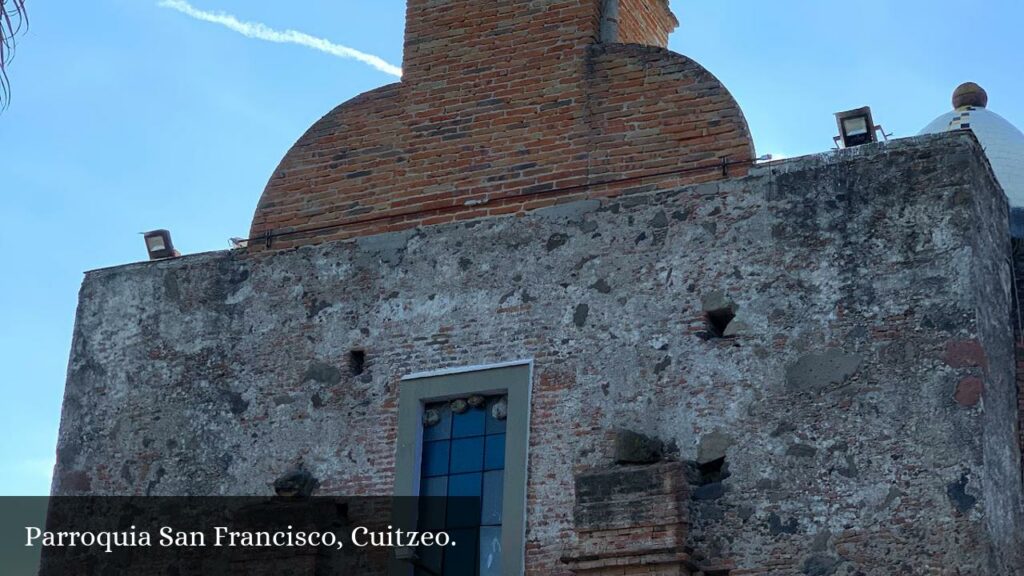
[185,536]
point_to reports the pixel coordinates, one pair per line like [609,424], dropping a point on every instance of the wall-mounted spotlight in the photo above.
[159,245]
[856,128]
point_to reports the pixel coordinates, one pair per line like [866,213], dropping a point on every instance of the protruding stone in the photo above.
[713,447]
[736,328]
[296,483]
[635,448]
[718,303]
[818,370]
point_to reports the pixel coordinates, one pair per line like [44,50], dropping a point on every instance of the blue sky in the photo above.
[127,116]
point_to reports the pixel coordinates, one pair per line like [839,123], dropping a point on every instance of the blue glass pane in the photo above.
[490,551]
[434,486]
[494,426]
[469,423]
[442,429]
[433,506]
[435,458]
[465,484]
[490,512]
[460,559]
[464,512]
[467,455]
[431,557]
[494,455]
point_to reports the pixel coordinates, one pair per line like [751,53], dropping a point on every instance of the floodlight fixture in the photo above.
[856,128]
[159,245]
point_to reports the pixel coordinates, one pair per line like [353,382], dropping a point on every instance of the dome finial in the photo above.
[970,94]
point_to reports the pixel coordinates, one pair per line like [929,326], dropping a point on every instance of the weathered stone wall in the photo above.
[863,407]
[1002,450]
[1017,323]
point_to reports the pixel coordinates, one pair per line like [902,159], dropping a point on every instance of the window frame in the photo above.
[513,379]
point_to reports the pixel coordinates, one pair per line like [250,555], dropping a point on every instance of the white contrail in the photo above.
[263,32]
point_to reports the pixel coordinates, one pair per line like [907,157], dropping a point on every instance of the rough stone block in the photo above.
[635,448]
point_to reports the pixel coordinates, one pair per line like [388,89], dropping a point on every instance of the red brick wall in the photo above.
[631,519]
[504,107]
[645,22]
[450,40]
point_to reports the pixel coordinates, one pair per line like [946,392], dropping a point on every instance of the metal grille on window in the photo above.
[463,455]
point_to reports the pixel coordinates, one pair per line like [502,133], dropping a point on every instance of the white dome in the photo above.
[1002,141]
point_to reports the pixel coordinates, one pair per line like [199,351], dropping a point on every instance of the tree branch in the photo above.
[13,19]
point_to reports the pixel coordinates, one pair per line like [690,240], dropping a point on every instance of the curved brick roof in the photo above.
[503,130]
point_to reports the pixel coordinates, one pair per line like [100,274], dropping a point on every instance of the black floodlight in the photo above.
[159,245]
[856,127]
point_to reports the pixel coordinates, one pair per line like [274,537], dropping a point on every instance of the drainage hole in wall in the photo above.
[357,362]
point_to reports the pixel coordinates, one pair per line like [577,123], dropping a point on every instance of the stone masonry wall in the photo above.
[505,107]
[1017,322]
[861,408]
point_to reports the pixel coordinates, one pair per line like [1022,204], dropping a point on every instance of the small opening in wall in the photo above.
[357,362]
[718,321]
[713,471]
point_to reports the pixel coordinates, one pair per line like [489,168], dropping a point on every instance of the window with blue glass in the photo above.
[463,471]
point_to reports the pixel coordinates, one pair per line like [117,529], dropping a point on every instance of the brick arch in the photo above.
[312,173]
[653,109]
[503,141]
